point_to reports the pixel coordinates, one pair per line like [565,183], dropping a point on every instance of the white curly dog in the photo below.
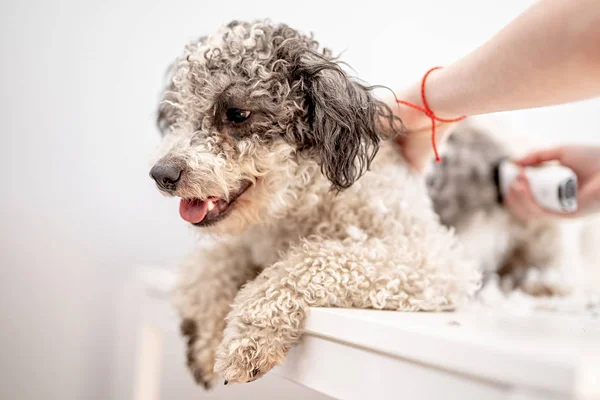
[281,157]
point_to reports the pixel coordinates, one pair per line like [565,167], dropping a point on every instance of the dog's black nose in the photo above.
[166,175]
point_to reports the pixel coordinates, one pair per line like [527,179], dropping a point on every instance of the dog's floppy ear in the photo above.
[345,120]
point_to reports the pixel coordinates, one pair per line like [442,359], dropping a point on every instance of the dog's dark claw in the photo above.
[226,382]
[254,372]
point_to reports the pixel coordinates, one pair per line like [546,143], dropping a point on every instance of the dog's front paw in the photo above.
[248,352]
[200,353]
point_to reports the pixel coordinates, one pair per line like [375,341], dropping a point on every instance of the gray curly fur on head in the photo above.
[343,117]
[296,92]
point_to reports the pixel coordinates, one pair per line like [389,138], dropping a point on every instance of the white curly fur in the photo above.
[290,242]
[375,245]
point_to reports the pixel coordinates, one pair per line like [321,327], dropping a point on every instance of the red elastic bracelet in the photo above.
[427,111]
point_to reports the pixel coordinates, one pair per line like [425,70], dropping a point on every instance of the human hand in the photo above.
[416,142]
[583,160]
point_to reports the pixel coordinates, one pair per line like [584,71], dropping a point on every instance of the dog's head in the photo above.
[248,113]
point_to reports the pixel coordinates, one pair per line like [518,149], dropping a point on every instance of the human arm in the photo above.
[548,55]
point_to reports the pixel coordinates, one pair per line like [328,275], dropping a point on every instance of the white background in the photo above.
[79,85]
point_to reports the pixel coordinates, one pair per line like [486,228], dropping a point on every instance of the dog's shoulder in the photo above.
[389,194]
[386,197]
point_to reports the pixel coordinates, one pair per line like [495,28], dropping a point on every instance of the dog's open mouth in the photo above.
[213,209]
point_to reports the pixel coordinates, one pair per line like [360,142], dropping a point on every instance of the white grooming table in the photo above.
[362,354]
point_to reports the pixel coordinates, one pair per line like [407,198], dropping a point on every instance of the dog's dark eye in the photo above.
[237,115]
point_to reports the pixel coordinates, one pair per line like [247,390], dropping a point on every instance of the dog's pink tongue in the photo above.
[193,211]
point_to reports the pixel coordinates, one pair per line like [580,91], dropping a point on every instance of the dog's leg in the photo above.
[209,282]
[268,314]
[550,259]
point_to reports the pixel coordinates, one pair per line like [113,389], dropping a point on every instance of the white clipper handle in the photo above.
[554,187]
